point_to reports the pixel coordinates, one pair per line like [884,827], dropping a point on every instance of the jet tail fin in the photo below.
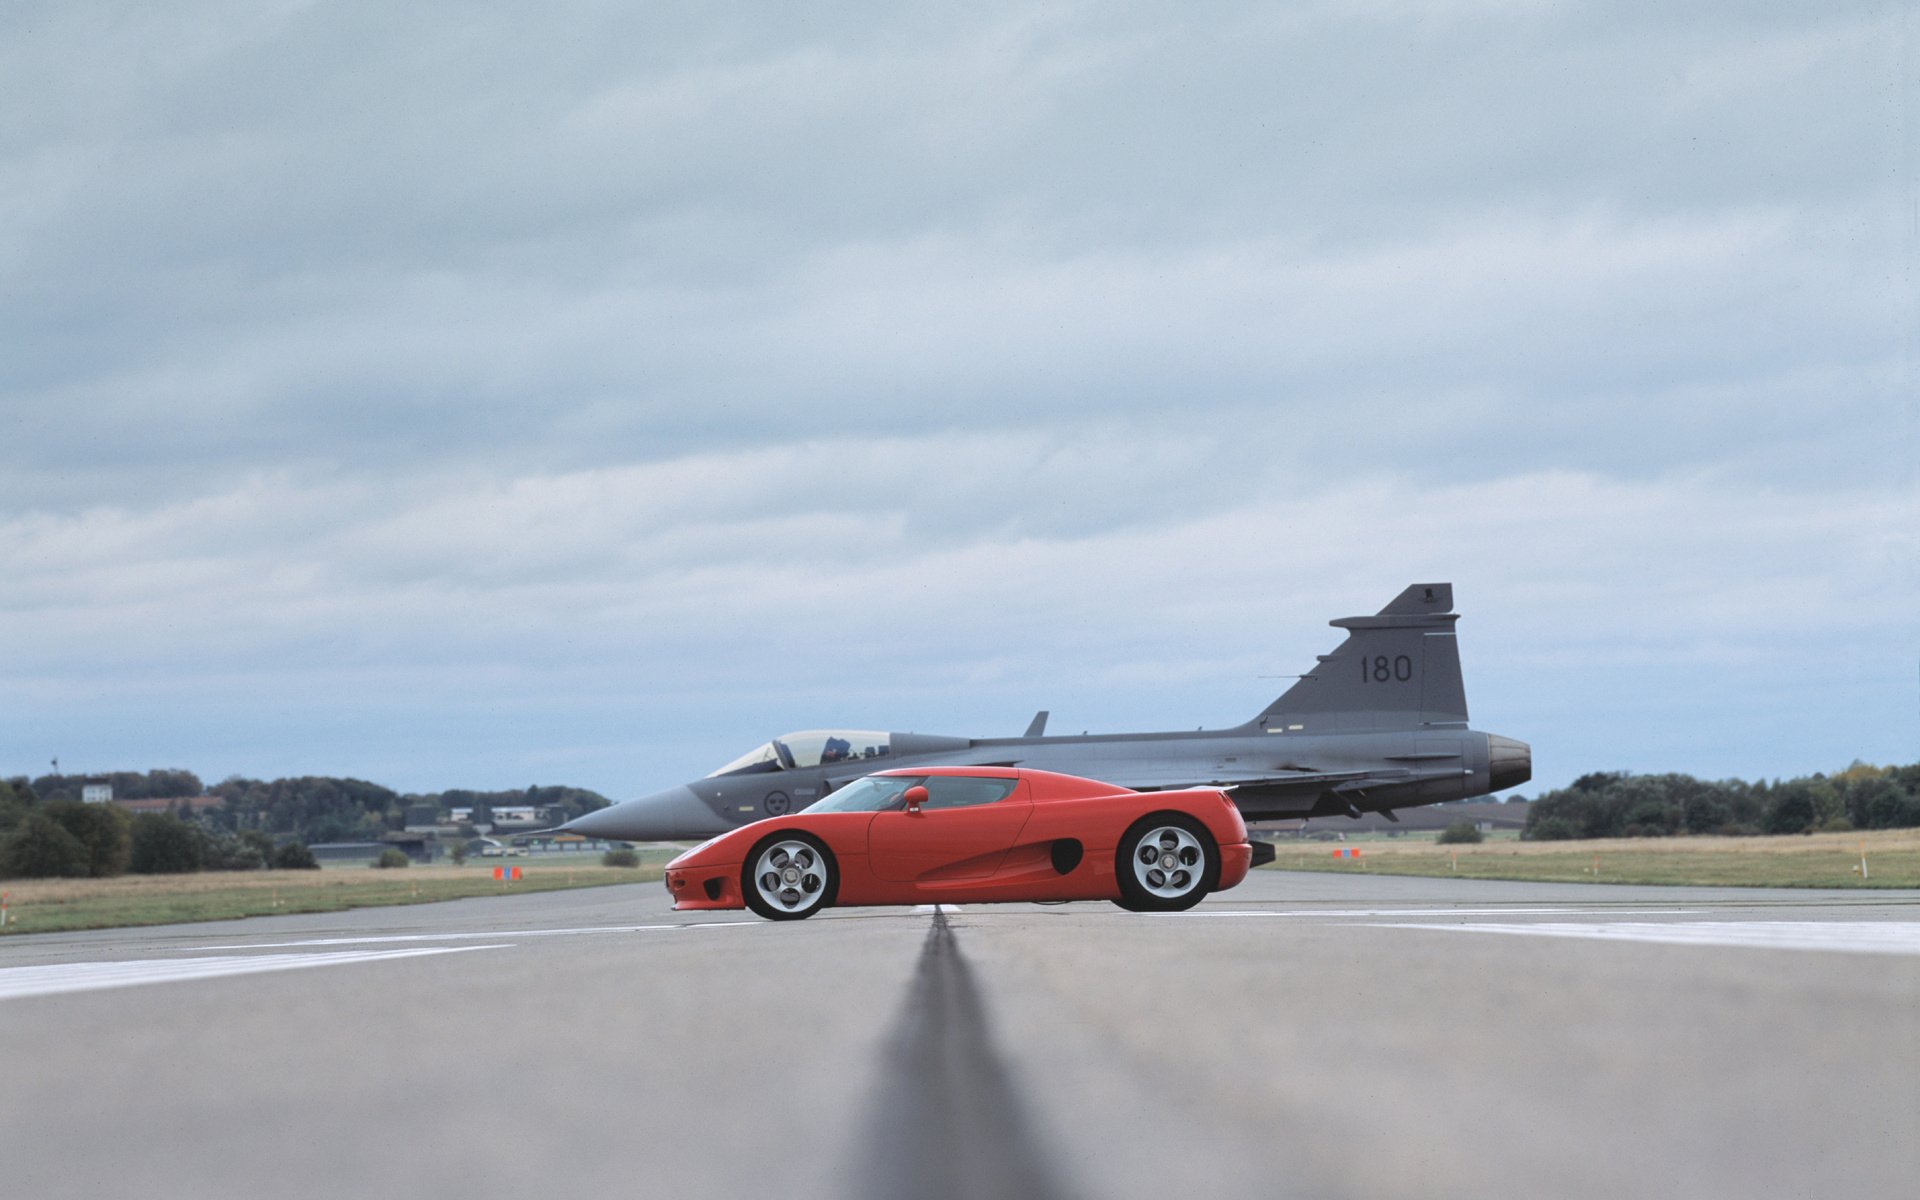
[1399,668]
[1038,726]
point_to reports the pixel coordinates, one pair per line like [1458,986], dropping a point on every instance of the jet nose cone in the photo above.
[662,817]
[1509,762]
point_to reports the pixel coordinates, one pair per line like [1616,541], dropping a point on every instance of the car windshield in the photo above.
[809,748]
[875,793]
[881,793]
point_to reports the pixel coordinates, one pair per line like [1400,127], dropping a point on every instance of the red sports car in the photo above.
[972,835]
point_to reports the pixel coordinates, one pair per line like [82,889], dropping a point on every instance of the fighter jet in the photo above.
[1379,724]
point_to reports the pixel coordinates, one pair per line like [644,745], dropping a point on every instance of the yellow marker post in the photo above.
[1863,861]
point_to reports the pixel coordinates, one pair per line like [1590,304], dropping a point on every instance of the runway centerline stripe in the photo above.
[54,979]
[1850,937]
[947,1122]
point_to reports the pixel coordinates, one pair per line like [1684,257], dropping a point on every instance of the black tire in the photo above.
[1195,871]
[815,885]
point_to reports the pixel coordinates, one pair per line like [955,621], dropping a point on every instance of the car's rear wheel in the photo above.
[788,876]
[1166,863]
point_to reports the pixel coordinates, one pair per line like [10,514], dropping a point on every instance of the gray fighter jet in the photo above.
[1379,724]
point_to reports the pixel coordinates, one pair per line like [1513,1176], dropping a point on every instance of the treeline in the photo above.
[311,808]
[318,808]
[127,785]
[45,829]
[64,838]
[1613,804]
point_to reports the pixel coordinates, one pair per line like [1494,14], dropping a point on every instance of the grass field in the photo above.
[46,905]
[1824,860]
[1816,860]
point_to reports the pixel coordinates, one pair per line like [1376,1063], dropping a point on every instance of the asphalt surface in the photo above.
[1302,1035]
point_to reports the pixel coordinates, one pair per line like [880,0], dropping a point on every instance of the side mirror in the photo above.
[915,796]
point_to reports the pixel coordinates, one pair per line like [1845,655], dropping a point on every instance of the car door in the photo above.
[963,831]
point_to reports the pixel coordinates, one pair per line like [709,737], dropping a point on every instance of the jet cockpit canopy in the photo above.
[809,748]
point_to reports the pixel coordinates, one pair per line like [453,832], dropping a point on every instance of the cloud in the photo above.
[450,387]
[626,588]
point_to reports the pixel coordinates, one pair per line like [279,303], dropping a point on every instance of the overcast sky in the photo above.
[477,395]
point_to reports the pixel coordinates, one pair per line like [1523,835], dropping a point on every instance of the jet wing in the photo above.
[1155,776]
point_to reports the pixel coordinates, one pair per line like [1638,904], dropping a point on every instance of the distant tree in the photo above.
[295,857]
[1462,832]
[1884,804]
[16,801]
[1552,829]
[57,787]
[390,858]
[620,856]
[1792,809]
[1878,797]
[259,844]
[42,848]
[1598,781]
[101,828]
[458,853]
[1706,814]
[164,845]
[155,785]
[222,851]
[1828,801]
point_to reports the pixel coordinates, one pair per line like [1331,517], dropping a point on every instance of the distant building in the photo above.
[340,853]
[505,816]
[96,793]
[420,847]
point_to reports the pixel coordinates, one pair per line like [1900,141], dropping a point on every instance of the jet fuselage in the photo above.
[1379,724]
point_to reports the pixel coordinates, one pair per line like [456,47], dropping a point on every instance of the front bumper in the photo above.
[704,887]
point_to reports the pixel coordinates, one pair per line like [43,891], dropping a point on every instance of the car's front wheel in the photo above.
[789,876]
[1166,863]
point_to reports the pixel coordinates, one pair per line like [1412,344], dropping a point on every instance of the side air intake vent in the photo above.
[1067,853]
[713,889]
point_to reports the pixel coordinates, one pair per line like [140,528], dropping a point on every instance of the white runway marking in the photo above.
[493,935]
[1426,912]
[55,978]
[1852,937]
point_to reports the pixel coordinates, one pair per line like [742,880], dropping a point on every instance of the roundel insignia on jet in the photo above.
[776,803]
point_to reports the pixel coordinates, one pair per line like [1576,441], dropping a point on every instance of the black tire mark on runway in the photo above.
[947,1122]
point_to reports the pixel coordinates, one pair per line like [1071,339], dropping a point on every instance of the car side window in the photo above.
[961,791]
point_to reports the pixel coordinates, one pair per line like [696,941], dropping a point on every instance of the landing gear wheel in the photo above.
[1166,863]
[789,876]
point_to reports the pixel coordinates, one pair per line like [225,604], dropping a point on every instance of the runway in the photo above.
[1304,1035]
